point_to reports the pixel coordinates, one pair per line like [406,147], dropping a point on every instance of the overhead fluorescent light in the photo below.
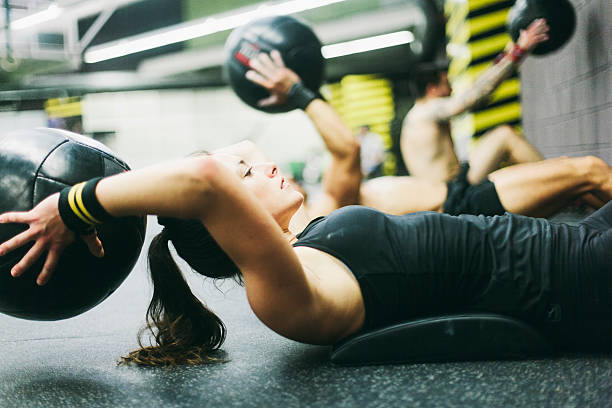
[33,19]
[188,31]
[367,44]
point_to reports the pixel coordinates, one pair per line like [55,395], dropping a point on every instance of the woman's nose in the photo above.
[268,169]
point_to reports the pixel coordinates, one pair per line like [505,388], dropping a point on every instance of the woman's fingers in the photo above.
[47,231]
[48,268]
[269,72]
[267,63]
[257,78]
[14,217]
[93,244]
[277,58]
[28,259]
[262,68]
[270,100]
[16,242]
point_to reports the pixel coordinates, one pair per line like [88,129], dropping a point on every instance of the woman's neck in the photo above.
[299,221]
[290,236]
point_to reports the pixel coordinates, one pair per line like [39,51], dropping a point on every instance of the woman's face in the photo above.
[267,183]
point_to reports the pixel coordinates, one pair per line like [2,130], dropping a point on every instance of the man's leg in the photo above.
[501,143]
[402,194]
[540,189]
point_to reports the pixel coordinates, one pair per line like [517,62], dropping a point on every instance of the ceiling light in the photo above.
[367,44]
[49,14]
[188,31]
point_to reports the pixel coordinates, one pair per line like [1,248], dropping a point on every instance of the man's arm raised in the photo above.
[443,109]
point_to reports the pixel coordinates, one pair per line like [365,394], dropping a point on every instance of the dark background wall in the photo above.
[566,96]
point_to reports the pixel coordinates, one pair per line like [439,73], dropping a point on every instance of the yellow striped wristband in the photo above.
[79,207]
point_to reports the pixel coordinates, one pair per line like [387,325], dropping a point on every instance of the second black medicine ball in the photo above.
[35,163]
[297,43]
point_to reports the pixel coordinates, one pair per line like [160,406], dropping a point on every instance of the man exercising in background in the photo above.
[426,142]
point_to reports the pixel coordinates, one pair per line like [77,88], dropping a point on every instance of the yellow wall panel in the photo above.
[470,57]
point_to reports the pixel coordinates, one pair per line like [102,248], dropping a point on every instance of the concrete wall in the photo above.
[152,126]
[10,121]
[567,108]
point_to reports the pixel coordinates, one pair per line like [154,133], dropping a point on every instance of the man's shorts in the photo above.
[465,198]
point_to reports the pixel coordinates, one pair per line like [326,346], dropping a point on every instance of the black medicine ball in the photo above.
[297,43]
[560,17]
[33,165]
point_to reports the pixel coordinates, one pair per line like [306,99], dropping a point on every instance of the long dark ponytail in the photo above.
[183,329]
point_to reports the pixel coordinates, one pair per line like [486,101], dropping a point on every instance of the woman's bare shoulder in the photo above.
[336,291]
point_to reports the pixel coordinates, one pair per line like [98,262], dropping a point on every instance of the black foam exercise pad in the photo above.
[443,338]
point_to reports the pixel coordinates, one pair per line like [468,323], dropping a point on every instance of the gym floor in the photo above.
[72,363]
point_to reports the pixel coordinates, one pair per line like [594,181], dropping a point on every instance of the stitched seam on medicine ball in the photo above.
[37,172]
[107,155]
[52,179]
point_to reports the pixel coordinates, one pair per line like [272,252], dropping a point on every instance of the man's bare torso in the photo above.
[427,147]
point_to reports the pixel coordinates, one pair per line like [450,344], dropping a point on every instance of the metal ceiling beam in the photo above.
[95,28]
[54,86]
[24,44]
[74,10]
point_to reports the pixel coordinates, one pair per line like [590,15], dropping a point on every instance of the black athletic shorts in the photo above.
[465,198]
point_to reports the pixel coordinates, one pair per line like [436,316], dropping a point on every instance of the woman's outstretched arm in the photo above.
[193,188]
[146,191]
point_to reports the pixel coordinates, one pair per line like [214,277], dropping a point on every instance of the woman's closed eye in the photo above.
[248,171]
